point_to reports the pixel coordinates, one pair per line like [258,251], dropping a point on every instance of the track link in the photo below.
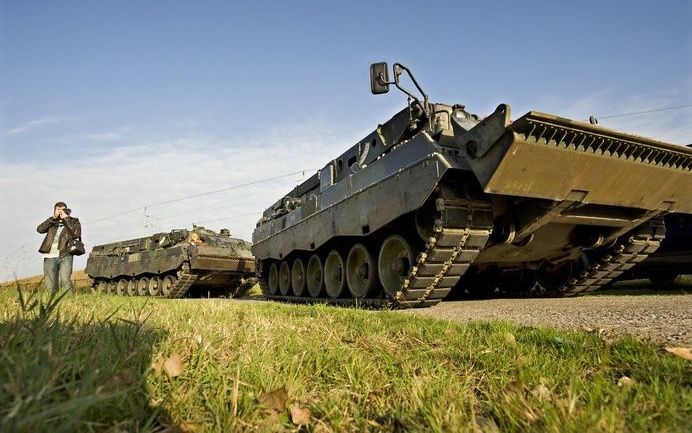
[461,229]
[185,280]
[626,254]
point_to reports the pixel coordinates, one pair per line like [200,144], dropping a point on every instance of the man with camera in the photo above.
[58,247]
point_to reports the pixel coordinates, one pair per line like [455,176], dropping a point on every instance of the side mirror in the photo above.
[379,78]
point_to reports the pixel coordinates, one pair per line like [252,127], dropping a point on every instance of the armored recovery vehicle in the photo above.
[436,193]
[173,264]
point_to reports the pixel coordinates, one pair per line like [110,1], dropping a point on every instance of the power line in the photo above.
[181,218]
[197,209]
[611,116]
[227,217]
[219,207]
[202,194]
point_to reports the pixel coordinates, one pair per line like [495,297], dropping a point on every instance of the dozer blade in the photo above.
[549,157]
[210,258]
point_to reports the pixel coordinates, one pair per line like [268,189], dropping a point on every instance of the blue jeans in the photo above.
[57,268]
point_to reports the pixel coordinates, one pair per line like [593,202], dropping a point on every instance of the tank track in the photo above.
[460,229]
[460,232]
[622,256]
[185,280]
[641,242]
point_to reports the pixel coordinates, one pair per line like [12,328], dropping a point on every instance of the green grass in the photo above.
[98,363]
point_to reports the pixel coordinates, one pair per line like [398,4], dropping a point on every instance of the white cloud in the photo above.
[110,135]
[32,124]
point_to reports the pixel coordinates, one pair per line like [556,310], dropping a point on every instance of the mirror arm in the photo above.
[398,67]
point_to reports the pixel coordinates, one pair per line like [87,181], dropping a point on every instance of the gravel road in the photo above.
[662,318]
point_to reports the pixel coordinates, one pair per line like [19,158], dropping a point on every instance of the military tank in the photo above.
[173,264]
[437,193]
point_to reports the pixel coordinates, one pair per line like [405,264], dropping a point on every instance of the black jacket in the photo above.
[73,229]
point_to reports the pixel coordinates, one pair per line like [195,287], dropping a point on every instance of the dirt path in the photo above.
[662,318]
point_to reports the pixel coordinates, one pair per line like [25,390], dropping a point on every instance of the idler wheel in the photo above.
[121,287]
[334,278]
[273,279]
[361,272]
[167,285]
[142,285]
[154,286]
[284,278]
[394,263]
[298,280]
[315,276]
[132,287]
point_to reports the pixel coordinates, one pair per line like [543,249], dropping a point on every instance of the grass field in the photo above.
[99,363]
[79,281]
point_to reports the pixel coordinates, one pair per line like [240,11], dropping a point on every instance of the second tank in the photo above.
[172,264]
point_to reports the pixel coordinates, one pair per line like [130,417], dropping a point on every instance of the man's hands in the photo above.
[60,214]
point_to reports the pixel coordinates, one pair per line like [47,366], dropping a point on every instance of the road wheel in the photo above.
[132,287]
[361,272]
[298,280]
[102,286]
[142,286]
[334,275]
[167,285]
[121,287]
[273,279]
[284,278]
[315,276]
[154,286]
[394,263]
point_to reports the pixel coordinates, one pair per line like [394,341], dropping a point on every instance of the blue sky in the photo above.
[112,97]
